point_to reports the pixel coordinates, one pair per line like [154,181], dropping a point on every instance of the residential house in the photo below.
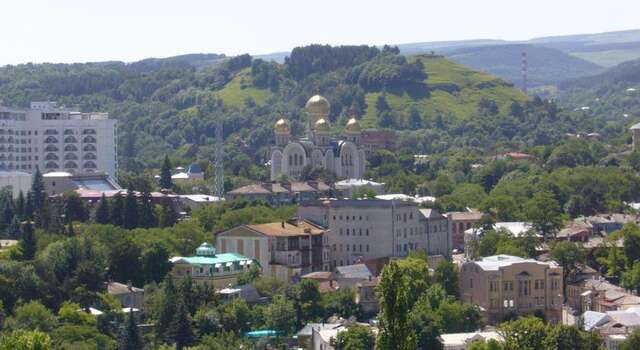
[613,326]
[284,249]
[504,285]
[283,193]
[367,297]
[598,295]
[128,295]
[217,270]
[463,341]
[460,222]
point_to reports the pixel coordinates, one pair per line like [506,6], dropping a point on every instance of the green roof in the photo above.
[222,258]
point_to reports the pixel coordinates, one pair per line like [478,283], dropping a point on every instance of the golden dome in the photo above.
[353,125]
[317,105]
[282,127]
[322,125]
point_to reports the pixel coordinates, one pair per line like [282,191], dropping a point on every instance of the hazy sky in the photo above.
[97,30]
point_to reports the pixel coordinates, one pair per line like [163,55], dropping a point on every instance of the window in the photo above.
[470,282]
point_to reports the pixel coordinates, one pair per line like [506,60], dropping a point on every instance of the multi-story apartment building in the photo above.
[505,285]
[283,249]
[460,222]
[360,230]
[56,139]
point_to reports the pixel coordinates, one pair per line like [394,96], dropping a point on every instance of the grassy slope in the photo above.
[461,104]
[235,92]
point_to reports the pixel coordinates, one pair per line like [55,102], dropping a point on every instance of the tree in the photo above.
[28,244]
[38,194]
[446,274]
[32,316]
[130,213]
[165,174]
[341,302]
[73,207]
[395,303]
[632,342]
[102,211]
[224,341]
[415,119]
[155,263]
[543,210]
[147,217]
[117,210]
[25,340]
[124,262]
[130,337]
[168,215]
[631,277]
[570,256]
[355,338]
[631,234]
[306,297]
[280,315]
[180,331]
[528,333]
[562,337]
[166,308]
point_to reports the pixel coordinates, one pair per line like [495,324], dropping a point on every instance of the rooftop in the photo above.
[285,229]
[465,215]
[116,288]
[496,262]
[356,271]
[461,339]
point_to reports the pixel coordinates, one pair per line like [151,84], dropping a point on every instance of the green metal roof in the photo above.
[222,258]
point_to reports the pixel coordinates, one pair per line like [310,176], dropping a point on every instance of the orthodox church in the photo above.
[343,156]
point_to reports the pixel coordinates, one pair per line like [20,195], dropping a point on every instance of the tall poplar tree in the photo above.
[130,214]
[165,174]
[102,211]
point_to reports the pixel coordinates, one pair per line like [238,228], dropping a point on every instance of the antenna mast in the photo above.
[524,72]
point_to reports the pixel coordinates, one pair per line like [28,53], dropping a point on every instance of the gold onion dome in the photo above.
[317,105]
[322,125]
[353,125]
[282,126]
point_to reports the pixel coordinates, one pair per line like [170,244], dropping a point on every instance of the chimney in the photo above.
[282,223]
[129,285]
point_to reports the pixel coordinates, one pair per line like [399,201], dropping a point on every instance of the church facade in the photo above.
[343,156]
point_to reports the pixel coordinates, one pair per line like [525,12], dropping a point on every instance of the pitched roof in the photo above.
[360,271]
[250,189]
[116,288]
[465,215]
[494,263]
[285,229]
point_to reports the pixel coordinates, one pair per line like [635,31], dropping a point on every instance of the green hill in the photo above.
[163,105]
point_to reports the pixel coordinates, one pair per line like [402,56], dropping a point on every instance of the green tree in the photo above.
[341,302]
[147,217]
[306,297]
[180,332]
[280,315]
[130,213]
[25,340]
[117,210]
[446,274]
[28,244]
[235,316]
[166,308]
[102,211]
[631,277]
[74,208]
[632,342]
[224,341]
[130,337]
[155,263]
[528,333]
[124,262]
[32,316]
[355,338]
[631,234]
[395,303]
[38,194]
[168,215]
[543,210]
[570,256]
[165,174]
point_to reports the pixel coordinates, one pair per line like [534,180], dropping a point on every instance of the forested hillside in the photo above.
[171,106]
[546,66]
[614,94]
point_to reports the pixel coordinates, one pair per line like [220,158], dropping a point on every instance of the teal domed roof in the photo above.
[206,249]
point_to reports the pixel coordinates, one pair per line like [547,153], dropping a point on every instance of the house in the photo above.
[306,333]
[59,182]
[613,326]
[377,139]
[504,286]
[599,295]
[515,156]
[128,295]
[193,173]
[322,338]
[350,275]
[283,193]
[460,222]
[196,201]
[366,296]
[463,341]
[217,270]
[284,249]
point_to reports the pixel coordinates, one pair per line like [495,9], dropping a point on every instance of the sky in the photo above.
[129,30]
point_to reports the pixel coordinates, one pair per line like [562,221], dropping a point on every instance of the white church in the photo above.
[343,156]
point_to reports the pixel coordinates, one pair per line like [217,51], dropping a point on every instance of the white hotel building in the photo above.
[56,139]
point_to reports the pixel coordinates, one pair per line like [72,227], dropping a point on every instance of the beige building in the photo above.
[460,222]
[283,249]
[505,285]
[217,270]
[128,295]
[361,230]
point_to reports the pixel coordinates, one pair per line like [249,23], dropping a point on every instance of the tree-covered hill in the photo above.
[546,66]
[613,94]
[172,106]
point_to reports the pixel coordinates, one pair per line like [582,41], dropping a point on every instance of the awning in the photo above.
[218,266]
[229,264]
[249,262]
[242,263]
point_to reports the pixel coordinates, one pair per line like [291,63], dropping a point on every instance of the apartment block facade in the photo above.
[360,230]
[57,139]
[505,285]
